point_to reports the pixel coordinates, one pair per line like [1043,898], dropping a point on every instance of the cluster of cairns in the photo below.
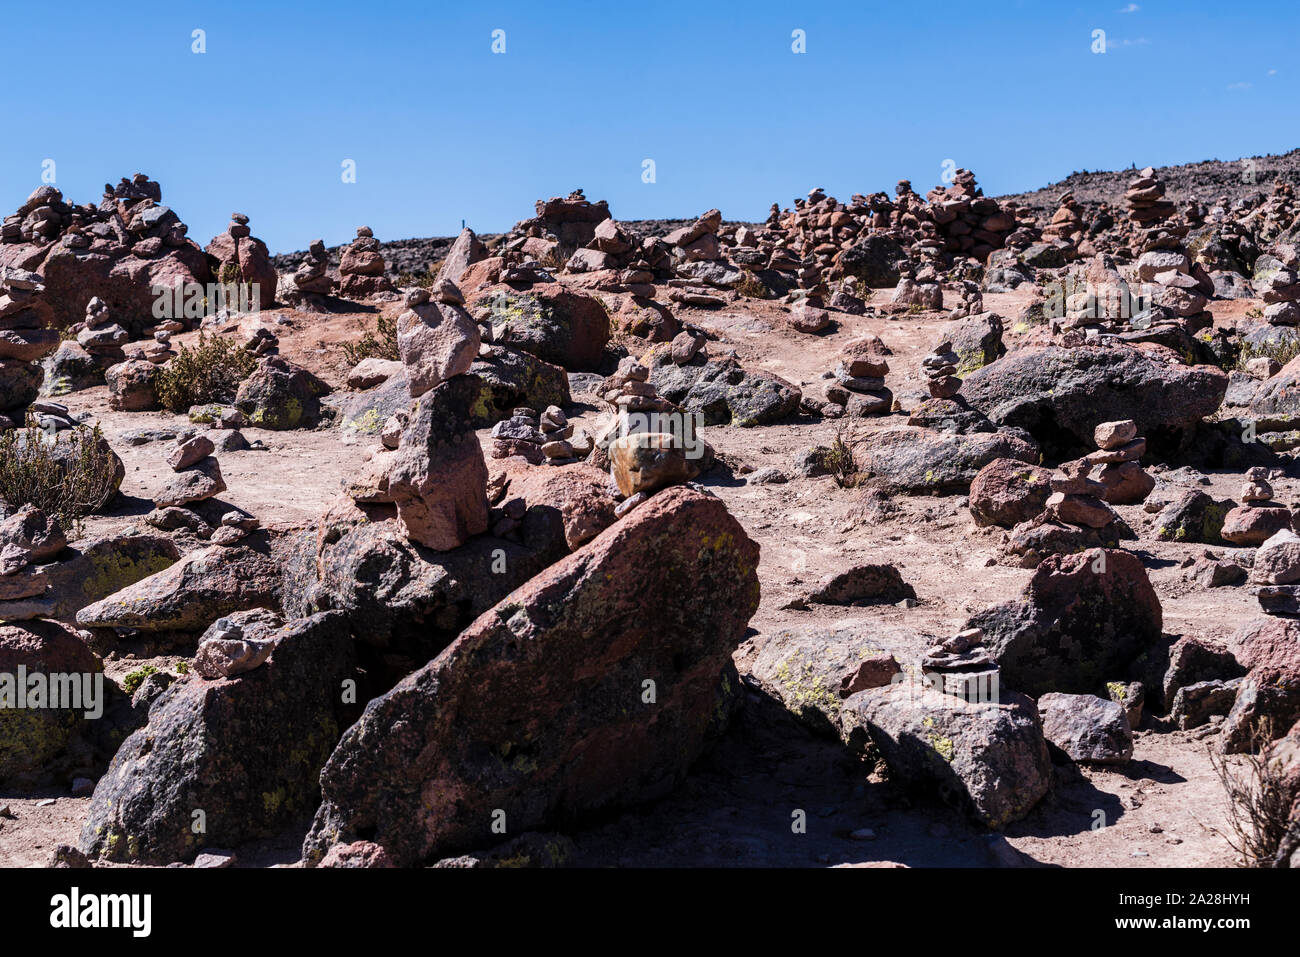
[187,499]
[548,438]
[1077,514]
[24,341]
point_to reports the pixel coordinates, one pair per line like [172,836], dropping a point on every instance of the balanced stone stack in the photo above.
[521,435]
[962,667]
[1145,199]
[436,338]
[560,443]
[1077,499]
[361,267]
[1074,518]
[968,221]
[311,280]
[23,342]
[1119,449]
[859,386]
[971,302]
[1258,518]
[196,475]
[940,369]
[243,259]
[1067,221]
[100,336]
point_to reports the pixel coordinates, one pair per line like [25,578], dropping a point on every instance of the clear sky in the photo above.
[442,129]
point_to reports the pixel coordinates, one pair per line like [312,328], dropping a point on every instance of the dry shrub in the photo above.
[67,475]
[210,371]
[380,344]
[1260,797]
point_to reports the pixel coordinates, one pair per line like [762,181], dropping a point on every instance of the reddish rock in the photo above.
[663,596]
[1007,492]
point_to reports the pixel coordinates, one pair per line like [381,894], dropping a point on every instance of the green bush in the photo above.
[1283,350]
[210,371]
[380,344]
[67,476]
[132,681]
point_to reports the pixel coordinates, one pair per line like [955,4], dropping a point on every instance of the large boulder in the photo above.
[280,395]
[510,378]
[594,686]
[925,461]
[406,600]
[35,735]
[436,340]
[1088,729]
[1269,696]
[192,593]
[1081,621]
[988,758]
[876,260]
[1060,395]
[562,326]
[245,751]
[1007,492]
[723,391]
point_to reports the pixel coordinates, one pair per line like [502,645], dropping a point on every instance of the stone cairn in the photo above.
[361,267]
[1145,200]
[1122,476]
[23,342]
[521,434]
[1258,518]
[560,444]
[100,336]
[1075,518]
[1067,221]
[940,369]
[244,267]
[1277,280]
[311,280]
[962,667]
[859,386]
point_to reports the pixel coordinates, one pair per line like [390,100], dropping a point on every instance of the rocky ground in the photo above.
[453,533]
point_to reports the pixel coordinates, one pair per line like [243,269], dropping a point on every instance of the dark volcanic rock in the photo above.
[561,326]
[246,751]
[1080,623]
[1060,395]
[724,392]
[920,460]
[539,709]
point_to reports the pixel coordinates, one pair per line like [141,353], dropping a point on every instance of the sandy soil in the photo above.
[1165,809]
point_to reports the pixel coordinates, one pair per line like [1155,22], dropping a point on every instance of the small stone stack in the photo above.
[1119,449]
[560,444]
[1277,281]
[1077,499]
[196,474]
[940,368]
[962,667]
[243,259]
[1277,570]
[101,336]
[23,342]
[520,434]
[972,300]
[1145,199]
[1067,221]
[859,387]
[1258,518]
[311,280]
[361,267]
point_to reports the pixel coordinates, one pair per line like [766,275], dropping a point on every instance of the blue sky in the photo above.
[442,129]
